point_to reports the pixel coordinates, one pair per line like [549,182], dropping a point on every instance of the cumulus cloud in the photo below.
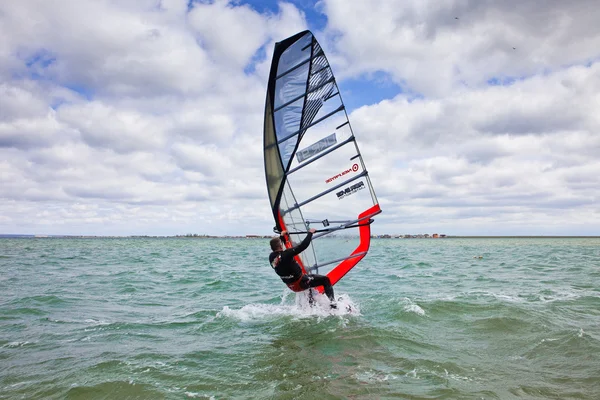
[528,149]
[433,47]
[241,31]
[136,117]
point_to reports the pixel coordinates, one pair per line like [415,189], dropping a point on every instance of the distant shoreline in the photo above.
[522,237]
[18,236]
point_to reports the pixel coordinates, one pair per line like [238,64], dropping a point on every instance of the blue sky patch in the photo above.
[42,58]
[502,81]
[368,89]
[83,91]
[190,5]
[259,56]
[37,63]
[315,19]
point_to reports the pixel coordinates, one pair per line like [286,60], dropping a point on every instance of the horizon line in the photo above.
[250,236]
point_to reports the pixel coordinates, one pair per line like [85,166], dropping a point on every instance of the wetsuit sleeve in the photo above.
[302,246]
[289,253]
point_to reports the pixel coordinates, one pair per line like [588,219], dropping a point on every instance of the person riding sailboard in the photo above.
[282,261]
[317,182]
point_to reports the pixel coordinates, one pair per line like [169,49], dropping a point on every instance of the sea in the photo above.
[207,318]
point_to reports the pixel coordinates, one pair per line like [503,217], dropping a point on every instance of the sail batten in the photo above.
[316,267]
[303,94]
[345,142]
[317,196]
[314,179]
[296,66]
[319,70]
[310,125]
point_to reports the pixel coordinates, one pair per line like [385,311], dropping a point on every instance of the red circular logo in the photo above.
[355,167]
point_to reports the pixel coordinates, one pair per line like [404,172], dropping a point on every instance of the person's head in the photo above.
[276,244]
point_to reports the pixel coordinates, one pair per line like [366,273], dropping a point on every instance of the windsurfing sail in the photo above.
[316,176]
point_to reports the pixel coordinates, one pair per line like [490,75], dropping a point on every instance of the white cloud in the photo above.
[121,130]
[141,117]
[19,102]
[105,48]
[529,149]
[428,50]
[231,34]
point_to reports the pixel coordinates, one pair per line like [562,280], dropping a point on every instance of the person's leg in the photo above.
[314,280]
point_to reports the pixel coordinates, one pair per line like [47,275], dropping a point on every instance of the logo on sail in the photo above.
[350,190]
[316,148]
[354,168]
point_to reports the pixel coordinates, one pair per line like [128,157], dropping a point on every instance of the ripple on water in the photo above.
[167,318]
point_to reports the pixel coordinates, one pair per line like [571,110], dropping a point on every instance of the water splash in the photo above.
[300,309]
[411,307]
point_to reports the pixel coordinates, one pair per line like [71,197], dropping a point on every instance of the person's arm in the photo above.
[301,247]
[304,244]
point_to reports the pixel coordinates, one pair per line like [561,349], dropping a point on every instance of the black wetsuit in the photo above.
[291,273]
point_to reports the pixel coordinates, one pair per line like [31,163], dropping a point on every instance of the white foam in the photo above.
[412,374]
[548,340]
[446,375]
[97,321]
[516,297]
[374,377]
[412,307]
[300,309]
[457,377]
[194,395]
[17,344]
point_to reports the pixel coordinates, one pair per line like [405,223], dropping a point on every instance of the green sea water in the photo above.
[179,318]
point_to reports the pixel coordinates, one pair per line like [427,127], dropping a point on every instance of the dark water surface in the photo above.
[207,318]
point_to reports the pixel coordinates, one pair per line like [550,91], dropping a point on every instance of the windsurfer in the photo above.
[282,261]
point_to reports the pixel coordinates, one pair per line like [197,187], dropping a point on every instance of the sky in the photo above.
[145,117]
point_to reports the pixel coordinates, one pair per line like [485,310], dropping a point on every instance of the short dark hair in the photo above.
[275,243]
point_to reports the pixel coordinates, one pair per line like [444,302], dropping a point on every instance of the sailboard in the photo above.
[316,176]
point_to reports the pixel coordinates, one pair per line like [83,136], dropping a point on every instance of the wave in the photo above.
[115,389]
[543,296]
[42,300]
